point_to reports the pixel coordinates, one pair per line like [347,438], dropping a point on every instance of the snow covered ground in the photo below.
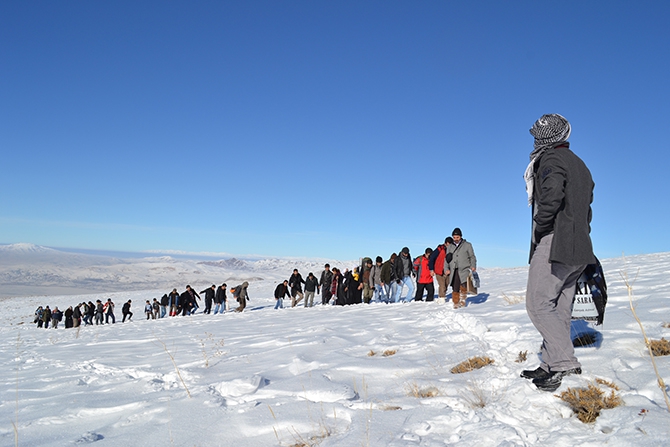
[307,377]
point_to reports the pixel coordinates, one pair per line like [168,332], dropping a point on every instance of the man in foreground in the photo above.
[560,192]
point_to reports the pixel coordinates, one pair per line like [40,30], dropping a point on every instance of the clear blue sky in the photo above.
[325,129]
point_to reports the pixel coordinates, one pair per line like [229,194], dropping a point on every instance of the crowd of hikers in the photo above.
[452,263]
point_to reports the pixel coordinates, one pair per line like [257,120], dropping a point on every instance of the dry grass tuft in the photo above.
[522,357]
[390,408]
[415,390]
[471,364]
[371,353]
[666,325]
[659,347]
[312,441]
[587,403]
[513,299]
[476,397]
[607,383]
[389,352]
[210,347]
[174,363]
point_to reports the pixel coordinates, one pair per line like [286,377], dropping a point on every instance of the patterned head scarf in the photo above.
[550,129]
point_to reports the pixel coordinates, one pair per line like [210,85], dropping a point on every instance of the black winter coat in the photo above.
[400,267]
[353,295]
[125,310]
[326,281]
[209,294]
[281,291]
[220,296]
[311,284]
[186,300]
[296,281]
[562,197]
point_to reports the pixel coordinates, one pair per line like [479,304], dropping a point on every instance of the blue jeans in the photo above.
[407,281]
[280,304]
[390,291]
[163,311]
[379,295]
[217,307]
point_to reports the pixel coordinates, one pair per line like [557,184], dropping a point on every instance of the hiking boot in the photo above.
[553,380]
[455,298]
[538,373]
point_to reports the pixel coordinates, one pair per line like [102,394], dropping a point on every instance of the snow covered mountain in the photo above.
[27,269]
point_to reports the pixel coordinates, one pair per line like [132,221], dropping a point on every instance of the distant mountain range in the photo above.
[28,269]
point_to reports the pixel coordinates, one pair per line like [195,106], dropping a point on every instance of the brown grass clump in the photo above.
[311,441]
[660,347]
[371,353]
[522,357]
[666,325]
[607,383]
[587,403]
[389,352]
[471,364]
[415,390]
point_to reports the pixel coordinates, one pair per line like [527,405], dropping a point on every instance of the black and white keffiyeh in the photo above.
[548,130]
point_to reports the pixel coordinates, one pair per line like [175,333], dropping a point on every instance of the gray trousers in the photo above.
[309,298]
[551,289]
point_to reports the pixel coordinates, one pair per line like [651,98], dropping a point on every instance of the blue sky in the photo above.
[325,129]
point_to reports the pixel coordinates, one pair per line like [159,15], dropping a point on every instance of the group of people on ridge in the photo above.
[450,263]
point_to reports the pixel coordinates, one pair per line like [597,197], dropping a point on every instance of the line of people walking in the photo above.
[452,264]
[171,304]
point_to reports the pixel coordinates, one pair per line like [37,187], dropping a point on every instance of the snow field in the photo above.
[267,377]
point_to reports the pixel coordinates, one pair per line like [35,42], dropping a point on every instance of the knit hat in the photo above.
[405,250]
[550,129]
[457,232]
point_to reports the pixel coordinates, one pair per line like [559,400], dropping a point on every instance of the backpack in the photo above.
[590,295]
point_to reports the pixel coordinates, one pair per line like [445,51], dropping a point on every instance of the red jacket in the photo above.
[437,259]
[423,275]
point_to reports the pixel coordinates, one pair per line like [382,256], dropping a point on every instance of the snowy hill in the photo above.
[319,376]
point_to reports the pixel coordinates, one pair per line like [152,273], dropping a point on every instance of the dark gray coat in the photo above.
[562,198]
